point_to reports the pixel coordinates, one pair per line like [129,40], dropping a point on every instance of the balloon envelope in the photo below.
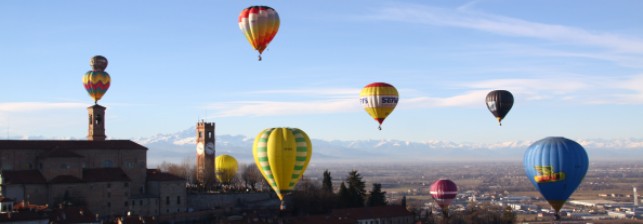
[260,25]
[443,192]
[499,102]
[282,155]
[556,166]
[225,168]
[96,83]
[379,100]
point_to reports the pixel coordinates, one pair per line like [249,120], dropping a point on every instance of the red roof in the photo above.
[3,199]
[371,212]
[72,215]
[70,145]
[157,175]
[65,179]
[23,216]
[22,177]
[104,175]
[137,220]
[353,215]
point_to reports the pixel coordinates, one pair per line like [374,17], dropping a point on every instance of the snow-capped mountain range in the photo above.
[180,146]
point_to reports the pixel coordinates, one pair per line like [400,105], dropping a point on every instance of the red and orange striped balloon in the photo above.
[260,25]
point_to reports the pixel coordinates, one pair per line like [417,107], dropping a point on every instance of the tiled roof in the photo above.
[323,219]
[65,179]
[372,212]
[23,216]
[104,175]
[72,215]
[70,145]
[353,215]
[157,175]
[22,177]
[3,199]
[137,220]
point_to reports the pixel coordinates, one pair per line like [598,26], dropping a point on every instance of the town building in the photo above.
[107,177]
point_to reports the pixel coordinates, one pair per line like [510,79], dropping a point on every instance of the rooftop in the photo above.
[69,145]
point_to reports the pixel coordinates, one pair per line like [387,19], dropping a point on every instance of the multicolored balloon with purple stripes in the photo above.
[282,155]
[97,81]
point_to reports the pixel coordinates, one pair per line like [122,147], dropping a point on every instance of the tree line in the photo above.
[319,198]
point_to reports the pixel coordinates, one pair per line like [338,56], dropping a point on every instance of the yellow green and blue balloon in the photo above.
[282,155]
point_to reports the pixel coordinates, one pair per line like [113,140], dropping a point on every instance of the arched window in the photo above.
[98,119]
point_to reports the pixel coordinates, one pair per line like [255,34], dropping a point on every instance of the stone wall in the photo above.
[204,201]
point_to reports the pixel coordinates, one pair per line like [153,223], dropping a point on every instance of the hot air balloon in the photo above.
[260,25]
[443,192]
[225,168]
[556,166]
[379,99]
[282,155]
[97,81]
[499,102]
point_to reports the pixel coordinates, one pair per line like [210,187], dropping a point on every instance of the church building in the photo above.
[108,177]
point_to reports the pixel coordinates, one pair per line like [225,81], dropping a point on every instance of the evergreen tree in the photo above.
[327,184]
[356,189]
[344,197]
[376,196]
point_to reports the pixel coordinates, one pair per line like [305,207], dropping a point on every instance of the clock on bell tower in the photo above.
[205,153]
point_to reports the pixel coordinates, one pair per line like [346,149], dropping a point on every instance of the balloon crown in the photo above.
[98,63]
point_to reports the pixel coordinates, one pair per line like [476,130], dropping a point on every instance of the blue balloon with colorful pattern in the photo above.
[556,166]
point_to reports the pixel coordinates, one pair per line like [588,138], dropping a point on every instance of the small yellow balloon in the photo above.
[226,168]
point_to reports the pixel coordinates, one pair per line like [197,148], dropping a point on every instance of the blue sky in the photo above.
[575,68]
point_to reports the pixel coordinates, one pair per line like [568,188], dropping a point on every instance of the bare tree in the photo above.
[184,170]
[251,176]
[189,169]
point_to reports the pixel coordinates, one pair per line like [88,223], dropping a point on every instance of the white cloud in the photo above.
[466,18]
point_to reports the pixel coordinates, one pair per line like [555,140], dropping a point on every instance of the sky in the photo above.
[575,68]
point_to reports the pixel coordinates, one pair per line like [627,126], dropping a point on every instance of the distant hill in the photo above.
[179,146]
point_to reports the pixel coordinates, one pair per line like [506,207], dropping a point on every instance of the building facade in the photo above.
[108,177]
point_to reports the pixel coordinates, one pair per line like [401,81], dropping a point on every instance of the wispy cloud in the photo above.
[466,17]
[38,106]
[324,92]
[280,108]
[466,99]
[567,89]
[630,91]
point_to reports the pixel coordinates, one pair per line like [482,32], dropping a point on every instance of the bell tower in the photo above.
[96,131]
[205,153]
